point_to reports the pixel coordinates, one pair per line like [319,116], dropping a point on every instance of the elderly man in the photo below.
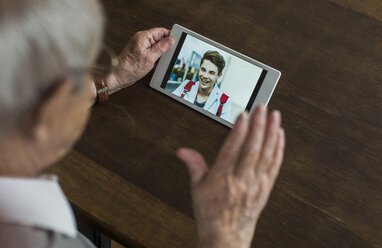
[47,48]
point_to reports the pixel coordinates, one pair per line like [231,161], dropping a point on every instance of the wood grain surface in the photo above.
[372,8]
[329,192]
[109,201]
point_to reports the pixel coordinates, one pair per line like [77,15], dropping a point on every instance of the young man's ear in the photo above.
[43,120]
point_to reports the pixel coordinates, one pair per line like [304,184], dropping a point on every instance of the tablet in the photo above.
[211,78]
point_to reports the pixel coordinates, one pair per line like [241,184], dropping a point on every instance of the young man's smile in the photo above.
[208,74]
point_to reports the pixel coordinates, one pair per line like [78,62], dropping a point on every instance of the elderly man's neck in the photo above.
[18,158]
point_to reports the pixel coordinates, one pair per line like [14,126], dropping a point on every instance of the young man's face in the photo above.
[208,74]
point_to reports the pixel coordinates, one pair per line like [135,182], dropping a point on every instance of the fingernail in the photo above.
[265,109]
[245,115]
[260,110]
[277,115]
[170,40]
[242,118]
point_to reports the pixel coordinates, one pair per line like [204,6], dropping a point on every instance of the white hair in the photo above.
[41,43]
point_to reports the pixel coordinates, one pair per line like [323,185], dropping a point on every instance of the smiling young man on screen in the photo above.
[205,93]
[46,93]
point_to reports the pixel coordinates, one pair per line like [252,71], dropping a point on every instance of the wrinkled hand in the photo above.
[139,57]
[229,197]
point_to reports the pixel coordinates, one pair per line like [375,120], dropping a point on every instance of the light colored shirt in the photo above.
[35,213]
[36,203]
[213,102]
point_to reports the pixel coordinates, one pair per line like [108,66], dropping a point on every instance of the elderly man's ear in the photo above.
[60,118]
[44,117]
[48,133]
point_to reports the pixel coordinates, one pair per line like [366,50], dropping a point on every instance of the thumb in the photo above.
[161,47]
[195,162]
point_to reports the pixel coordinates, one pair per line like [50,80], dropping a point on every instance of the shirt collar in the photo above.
[213,96]
[37,203]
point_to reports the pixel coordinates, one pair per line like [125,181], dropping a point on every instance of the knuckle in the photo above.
[135,38]
[262,185]
[250,175]
[242,186]
[139,35]
[265,161]
[151,60]
[260,122]
[255,192]
[227,152]
[250,156]
[241,129]
[273,173]
[145,59]
[267,155]
[254,151]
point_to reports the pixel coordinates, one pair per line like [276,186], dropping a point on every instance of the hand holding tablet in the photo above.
[211,78]
[139,57]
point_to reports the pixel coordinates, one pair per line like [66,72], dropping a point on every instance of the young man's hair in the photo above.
[215,58]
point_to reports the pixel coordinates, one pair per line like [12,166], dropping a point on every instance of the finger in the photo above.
[269,143]
[155,34]
[195,162]
[252,147]
[148,38]
[160,48]
[159,33]
[278,156]
[230,150]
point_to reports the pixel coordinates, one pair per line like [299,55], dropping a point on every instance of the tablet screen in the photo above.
[212,79]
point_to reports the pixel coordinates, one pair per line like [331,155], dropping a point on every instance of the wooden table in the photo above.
[123,175]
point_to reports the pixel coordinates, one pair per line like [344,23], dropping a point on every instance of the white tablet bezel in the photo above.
[265,92]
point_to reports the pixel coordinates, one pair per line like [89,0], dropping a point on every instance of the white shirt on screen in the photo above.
[213,102]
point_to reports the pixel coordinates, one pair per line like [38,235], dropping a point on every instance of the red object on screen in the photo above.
[223,99]
[187,88]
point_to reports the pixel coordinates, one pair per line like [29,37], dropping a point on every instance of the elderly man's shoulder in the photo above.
[23,236]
